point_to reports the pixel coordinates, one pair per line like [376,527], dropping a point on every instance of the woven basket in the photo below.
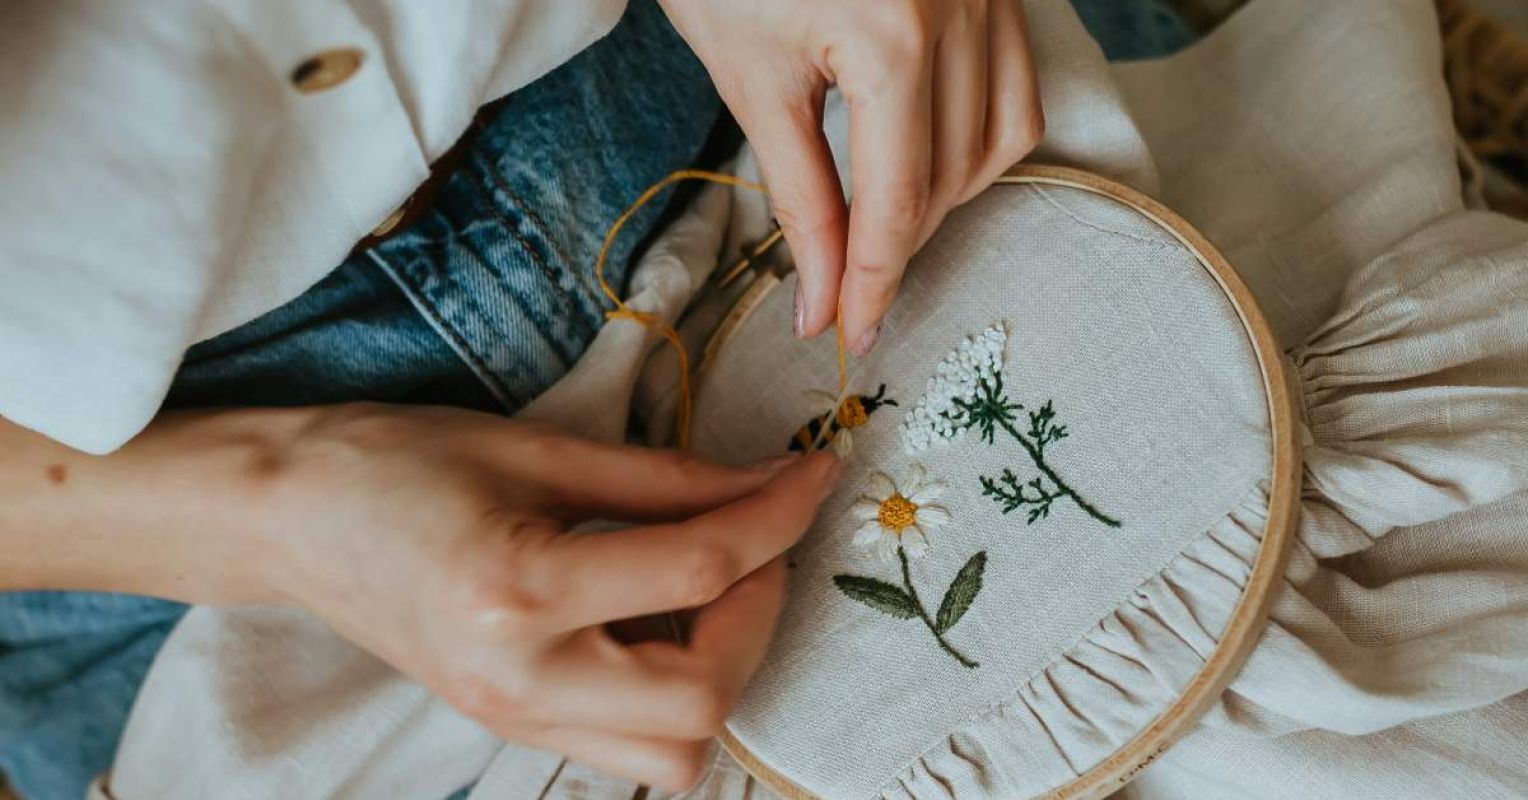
[1486,65]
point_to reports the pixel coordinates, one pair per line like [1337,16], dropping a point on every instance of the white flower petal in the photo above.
[881,486]
[935,418]
[914,542]
[843,443]
[932,517]
[914,480]
[868,534]
[928,493]
[887,547]
[866,508]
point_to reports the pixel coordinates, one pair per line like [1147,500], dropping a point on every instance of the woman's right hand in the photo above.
[439,540]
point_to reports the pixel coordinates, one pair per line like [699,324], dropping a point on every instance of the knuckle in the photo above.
[530,590]
[961,167]
[512,608]
[545,445]
[903,29]
[906,204]
[506,597]
[678,468]
[808,217]
[1021,133]
[705,573]
[956,175]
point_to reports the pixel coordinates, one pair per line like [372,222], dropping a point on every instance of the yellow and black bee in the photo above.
[854,412]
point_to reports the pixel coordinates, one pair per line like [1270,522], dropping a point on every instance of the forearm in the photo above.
[177,513]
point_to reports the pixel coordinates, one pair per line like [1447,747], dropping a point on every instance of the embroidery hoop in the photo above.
[1250,616]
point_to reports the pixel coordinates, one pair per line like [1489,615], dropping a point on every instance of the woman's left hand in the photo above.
[942,100]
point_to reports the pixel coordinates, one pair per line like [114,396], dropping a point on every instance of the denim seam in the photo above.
[472,301]
[540,320]
[484,196]
[419,298]
[530,250]
[541,227]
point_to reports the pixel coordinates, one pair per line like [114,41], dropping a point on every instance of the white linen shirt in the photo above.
[169,173]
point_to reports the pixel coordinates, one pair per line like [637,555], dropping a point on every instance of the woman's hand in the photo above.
[438,539]
[942,100]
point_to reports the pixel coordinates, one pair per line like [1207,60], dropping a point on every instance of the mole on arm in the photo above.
[57,474]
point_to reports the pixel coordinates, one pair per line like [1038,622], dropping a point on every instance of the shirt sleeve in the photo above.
[166,176]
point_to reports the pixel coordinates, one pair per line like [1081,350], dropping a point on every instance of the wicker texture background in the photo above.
[1486,64]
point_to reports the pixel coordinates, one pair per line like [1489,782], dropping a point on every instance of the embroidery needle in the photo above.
[737,269]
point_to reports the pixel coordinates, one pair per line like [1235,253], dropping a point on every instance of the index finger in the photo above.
[649,570]
[891,154]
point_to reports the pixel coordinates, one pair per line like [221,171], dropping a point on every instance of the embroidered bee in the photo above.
[854,412]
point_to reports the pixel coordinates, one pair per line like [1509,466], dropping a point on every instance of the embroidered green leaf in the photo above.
[1012,494]
[1043,428]
[991,413]
[962,591]
[879,595]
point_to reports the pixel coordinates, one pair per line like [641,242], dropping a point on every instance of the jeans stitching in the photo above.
[458,341]
[541,227]
[531,252]
[541,322]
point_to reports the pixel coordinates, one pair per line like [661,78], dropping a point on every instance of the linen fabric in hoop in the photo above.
[1086,401]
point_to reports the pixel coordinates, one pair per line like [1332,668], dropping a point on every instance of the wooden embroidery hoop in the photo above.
[1251,613]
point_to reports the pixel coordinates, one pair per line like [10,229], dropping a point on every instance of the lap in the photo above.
[482,303]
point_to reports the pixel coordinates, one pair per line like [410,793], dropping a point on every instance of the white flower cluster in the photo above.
[936,418]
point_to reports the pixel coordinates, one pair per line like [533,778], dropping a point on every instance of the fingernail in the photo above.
[800,321]
[866,341]
[773,463]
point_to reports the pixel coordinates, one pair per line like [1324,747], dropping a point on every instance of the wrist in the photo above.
[236,496]
[176,513]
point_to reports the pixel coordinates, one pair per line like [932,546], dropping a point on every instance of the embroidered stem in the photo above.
[1014,494]
[907,583]
[1039,460]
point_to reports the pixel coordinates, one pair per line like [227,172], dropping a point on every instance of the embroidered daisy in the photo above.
[960,377]
[901,515]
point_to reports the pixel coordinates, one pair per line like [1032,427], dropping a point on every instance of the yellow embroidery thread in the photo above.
[667,331]
[897,513]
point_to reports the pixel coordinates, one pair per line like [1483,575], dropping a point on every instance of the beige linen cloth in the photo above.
[1311,141]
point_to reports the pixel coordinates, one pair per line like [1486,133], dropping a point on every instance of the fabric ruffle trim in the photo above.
[1107,687]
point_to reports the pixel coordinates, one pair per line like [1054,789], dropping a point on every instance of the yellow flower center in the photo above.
[852,413]
[897,513]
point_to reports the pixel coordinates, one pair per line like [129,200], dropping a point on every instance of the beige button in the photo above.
[327,70]
[391,222]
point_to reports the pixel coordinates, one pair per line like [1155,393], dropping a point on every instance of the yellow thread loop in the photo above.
[664,329]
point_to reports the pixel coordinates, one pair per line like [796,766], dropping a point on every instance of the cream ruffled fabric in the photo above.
[1416,394]
[1108,687]
[1311,141]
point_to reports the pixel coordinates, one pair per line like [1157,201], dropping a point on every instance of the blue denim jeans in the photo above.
[483,303]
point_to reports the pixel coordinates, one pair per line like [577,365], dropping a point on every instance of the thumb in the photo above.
[806,197]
